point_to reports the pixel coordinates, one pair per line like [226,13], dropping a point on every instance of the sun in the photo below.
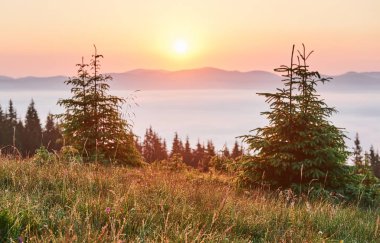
[180,46]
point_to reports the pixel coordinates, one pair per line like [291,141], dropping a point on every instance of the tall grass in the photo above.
[63,202]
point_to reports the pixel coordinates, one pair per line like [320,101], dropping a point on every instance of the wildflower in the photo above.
[108,210]
[320,232]
[20,240]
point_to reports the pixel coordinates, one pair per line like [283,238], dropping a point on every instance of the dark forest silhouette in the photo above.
[24,137]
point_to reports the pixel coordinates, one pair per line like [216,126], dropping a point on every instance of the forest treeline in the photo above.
[24,137]
[154,149]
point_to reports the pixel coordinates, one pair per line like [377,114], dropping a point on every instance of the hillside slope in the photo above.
[68,202]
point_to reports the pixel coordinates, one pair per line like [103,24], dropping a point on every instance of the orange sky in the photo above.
[47,37]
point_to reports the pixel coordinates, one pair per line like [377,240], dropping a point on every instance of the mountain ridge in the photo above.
[197,78]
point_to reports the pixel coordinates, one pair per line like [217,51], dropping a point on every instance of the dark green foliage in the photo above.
[374,162]
[78,114]
[32,133]
[177,146]
[11,132]
[93,123]
[206,155]
[20,139]
[153,148]
[226,152]
[187,154]
[51,136]
[223,164]
[300,146]
[9,126]
[43,156]
[199,154]
[237,151]
[23,140]
[6,223]
[210,149]
[357,154]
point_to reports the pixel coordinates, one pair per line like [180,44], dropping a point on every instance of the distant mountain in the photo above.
[353,81]
[202,78]
[32,83]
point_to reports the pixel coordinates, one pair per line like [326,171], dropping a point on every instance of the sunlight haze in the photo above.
[46,37]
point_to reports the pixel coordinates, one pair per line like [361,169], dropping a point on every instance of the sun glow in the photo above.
[180,46]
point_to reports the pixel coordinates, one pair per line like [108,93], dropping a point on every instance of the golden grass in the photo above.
[64,202]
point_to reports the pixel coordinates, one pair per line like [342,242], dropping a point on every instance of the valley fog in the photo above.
[220,115]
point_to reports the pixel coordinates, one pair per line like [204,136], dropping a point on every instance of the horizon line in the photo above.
[181,70]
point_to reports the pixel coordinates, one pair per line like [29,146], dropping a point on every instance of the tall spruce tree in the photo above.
[32,132]
[93,121]
[300,145]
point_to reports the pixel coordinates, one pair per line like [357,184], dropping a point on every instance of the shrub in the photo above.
[43,156]
[69,154]
[174,163]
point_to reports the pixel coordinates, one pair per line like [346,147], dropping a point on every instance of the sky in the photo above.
[48,37]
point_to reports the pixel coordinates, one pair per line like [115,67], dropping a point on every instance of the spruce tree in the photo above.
[159,147]
[20,138]
[11,115]
[177,146]
[300,145]
[147,147]
[32,132]
[10,128]
[357,154]
[153,149]
[210,149]
[93,122]
[198,154]
[11,132]
[226,151]
[236,151]
[374,162]
[51,135]
[187,155]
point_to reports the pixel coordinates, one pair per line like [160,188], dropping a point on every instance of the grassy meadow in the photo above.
[74,202]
